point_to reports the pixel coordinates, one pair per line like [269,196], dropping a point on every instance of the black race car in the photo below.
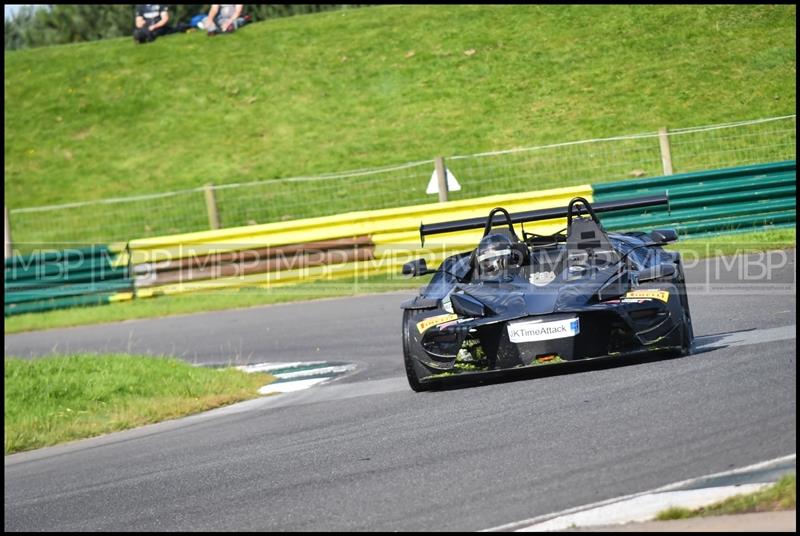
[579,294]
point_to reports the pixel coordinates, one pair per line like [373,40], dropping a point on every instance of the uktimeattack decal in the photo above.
[435,321]
[540,330]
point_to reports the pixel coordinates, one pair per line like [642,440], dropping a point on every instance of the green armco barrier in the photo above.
[73,277]
[55,269]
[628,187]
[719,225]
[68,290]
[58,255]
[719,201]
[702,213]
[736,191]
[56,303]
[57,279]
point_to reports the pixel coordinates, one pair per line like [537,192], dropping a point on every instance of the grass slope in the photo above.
[375,86]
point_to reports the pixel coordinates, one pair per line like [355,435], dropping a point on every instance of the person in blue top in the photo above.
[151,22]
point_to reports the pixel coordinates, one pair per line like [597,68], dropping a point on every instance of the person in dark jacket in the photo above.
[151,22]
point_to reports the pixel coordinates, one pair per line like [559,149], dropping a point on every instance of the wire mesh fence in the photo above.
[515,170]
[554,166]
[107,221]
[734,144]
[306,197]
[624,157]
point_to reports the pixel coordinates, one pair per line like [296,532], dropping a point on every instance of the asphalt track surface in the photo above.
[366,453]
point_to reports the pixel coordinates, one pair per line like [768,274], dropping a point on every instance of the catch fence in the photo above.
[515,170]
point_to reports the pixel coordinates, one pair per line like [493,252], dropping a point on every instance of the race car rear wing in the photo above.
[539,215]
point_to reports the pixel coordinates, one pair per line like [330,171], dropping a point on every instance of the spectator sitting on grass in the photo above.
[151,22]
[224,18]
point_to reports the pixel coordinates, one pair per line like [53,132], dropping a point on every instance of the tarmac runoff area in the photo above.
[632,513]
[635,513]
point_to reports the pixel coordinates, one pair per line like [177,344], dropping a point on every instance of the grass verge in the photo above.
[735,244]
[249,297]
[64,398]
[780,496]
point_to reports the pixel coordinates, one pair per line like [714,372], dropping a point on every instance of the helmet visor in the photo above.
[493,262]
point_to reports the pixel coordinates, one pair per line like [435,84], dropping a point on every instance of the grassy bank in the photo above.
[780,496]
[58,399]
[341,90]
[249,297]
[370,87]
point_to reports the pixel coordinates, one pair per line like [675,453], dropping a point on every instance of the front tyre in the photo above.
[411,348]
[688,330]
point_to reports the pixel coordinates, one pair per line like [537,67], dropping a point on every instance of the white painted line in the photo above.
[309,373]
[315,372]
[266,367]
[518,525]
[643,508]
[289,387]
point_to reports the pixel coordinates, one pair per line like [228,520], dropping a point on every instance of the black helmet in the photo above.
[493,257]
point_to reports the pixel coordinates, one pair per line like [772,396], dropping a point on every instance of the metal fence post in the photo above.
[441,176]
[211,207]
[666,156]
[7,225]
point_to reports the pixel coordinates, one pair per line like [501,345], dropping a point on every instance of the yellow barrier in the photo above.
[289,277]
[120,296]
[395,233]
[378,223]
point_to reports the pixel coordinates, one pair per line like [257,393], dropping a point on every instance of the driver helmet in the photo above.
[493,257]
